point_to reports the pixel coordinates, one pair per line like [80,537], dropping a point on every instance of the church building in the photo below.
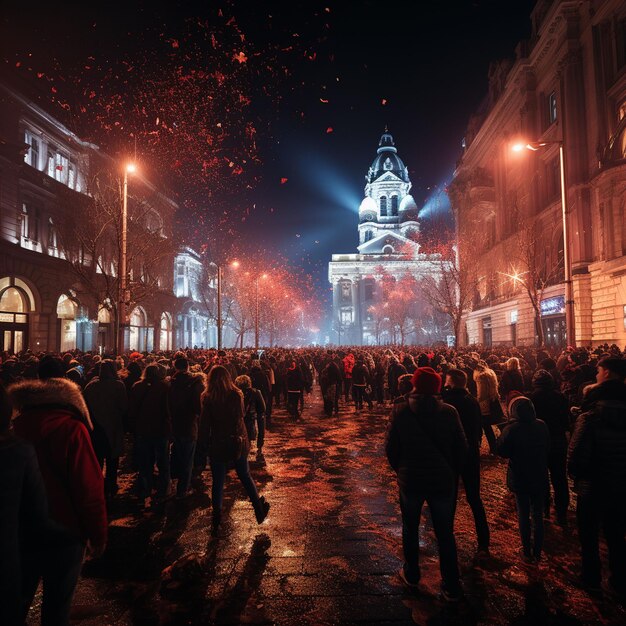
[388,251]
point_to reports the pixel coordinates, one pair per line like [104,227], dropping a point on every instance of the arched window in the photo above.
[104,315]
[66,313]
[369,235]
[165,338]
[383,205]
[140,335]
[388,249]
[13,300]
[394,205]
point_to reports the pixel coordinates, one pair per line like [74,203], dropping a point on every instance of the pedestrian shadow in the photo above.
[235,600]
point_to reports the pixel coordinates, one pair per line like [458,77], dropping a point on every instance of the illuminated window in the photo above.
[383,205]
[552,107]
[346,317]
[32,156]
[52,235]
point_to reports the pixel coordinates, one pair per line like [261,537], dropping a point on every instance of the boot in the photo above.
[215,523]
[261,510]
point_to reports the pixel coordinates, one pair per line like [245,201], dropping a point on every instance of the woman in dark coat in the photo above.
[223,428]
[150,419]
[512,379]
[525,441]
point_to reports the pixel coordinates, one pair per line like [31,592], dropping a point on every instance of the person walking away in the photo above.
[269,401]
[295,386]
[457,395]
[487,396]
[360,379]
[395,370]
[330,384]
[253,414]
[525,441]
[149,413]
[24,522]
[184,404]
[260,380]
[107,402]
[348,366]
[551,406]
[426,447]
[512,379]
[53,417]
[597,463]
[223,426]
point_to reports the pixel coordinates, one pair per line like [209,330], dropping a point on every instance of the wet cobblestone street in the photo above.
[330,550]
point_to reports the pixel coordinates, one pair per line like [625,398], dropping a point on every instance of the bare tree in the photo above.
[451,288]
[90,241]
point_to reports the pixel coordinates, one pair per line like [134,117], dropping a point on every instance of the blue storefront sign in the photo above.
[553,306]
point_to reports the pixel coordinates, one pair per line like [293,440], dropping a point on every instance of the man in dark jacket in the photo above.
[457,395]
[551,406]
[426,447]
[53,417]
[597,462]
[525,441]
[330,383]
[360,379]
[184,401]
[394,372]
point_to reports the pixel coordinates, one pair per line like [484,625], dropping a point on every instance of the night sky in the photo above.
[263,117]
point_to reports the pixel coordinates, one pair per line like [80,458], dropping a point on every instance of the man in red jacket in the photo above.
[53,417]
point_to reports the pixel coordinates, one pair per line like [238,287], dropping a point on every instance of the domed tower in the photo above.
[388,213]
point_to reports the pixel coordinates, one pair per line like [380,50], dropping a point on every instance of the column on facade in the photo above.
[356,311]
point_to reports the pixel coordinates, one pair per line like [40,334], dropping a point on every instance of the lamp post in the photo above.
[570,324]
[123,288]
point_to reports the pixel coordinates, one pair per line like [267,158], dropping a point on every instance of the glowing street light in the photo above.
[569,291]
[123,295]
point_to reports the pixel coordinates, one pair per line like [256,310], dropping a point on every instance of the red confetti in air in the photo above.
[384,101]
[329,130]
[283,181]
[240,57]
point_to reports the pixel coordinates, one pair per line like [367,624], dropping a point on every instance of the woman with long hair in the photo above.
[223,428]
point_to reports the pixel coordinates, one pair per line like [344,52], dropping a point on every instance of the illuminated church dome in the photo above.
[387,160]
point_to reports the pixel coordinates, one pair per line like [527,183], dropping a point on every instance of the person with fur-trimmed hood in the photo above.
[488,398]
[53,417]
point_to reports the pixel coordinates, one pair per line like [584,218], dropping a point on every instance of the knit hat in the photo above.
[521,409]
[51,367]
[426,381]
[543,378]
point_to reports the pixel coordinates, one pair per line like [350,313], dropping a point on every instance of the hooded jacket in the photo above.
[184,399]
[486,389]
[148,408]
[426,445]
[525,441]
[597,451]
[52,415]
[552,407]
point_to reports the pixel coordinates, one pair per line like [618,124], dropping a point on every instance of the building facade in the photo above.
[50,302]
[388,252]
[566,86]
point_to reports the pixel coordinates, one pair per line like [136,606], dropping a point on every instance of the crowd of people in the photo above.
[67,420]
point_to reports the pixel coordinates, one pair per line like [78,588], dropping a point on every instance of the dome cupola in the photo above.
[387,160]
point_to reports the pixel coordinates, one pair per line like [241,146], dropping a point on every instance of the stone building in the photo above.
[44,305]
[388,250]
[566,85]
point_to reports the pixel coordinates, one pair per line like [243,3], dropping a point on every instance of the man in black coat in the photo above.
[597,462]
[426,447]
[457,395]
[552,407]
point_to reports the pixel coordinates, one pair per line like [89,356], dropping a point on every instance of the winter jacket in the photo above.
[486,389]
[53,416]
[294,379]
[108,405]
[330,375]
[426,445]
[222,428]
[184,401]
[148,409]
[348,366]
[253,404]
[260,381]
[525,442]
[469,413]
[512,380]
[551,406]
[597,451]
[23,518]
[360,374]
[393,373]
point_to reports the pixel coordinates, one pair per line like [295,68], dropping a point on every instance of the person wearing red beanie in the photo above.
[426,447]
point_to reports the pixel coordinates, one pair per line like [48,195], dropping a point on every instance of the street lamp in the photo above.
[123,288]
[570,325]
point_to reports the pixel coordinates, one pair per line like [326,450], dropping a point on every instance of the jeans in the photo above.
[531,504]
[358,393]
[442,509]
[557,463]
[183,452]
[592,512]
[471,482]
[293,399]
[102,449]
[59,565]
[347,386]
[259,420]
[218,473]
[151,450]
[488,430]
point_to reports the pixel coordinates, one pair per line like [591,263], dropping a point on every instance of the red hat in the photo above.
[426,381]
